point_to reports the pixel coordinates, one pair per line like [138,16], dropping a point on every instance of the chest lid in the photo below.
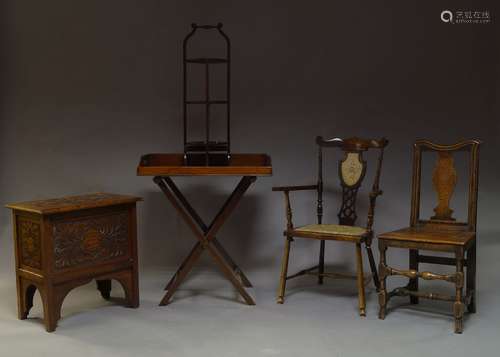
[73,203]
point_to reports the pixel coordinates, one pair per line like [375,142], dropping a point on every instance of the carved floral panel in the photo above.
[29,240]
[87,240]
[351,169]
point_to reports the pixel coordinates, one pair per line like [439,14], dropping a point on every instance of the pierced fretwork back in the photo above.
[444,180]
[352,170]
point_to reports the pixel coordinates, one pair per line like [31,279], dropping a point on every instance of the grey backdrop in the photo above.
[87,87]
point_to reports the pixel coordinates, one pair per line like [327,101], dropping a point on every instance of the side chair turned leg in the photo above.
[413,283]
[471,278]
[361,281]
[458,306]
[382,294]
[284,271]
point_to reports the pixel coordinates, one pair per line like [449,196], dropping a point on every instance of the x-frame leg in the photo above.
[206,237]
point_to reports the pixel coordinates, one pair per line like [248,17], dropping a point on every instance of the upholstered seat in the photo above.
[325,230]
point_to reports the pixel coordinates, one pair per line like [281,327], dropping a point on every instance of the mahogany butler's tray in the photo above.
[175,165]
[246,166]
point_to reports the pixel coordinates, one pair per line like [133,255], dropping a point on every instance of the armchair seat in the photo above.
[329,232]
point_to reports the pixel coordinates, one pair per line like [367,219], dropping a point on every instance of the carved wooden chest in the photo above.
[67,242]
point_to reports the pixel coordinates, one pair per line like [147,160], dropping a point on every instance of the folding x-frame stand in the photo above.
[206,237]
[206,158]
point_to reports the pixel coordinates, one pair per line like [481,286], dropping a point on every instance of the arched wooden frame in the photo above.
[53,297]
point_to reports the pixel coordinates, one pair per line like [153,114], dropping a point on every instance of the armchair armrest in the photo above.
[286,190]
[295,188]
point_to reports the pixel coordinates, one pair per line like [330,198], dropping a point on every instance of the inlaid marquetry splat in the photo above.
[444,180]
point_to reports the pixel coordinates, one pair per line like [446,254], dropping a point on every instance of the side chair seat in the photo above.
[426,234]
[329,232]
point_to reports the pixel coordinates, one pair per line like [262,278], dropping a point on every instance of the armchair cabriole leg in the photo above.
[284,271]
[361,280]
[382,294]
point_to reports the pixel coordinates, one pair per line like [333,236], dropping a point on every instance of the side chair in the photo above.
[440,233]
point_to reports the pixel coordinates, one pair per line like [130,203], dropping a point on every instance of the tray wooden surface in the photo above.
[173,165]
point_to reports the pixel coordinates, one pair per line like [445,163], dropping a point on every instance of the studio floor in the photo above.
[207,319]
